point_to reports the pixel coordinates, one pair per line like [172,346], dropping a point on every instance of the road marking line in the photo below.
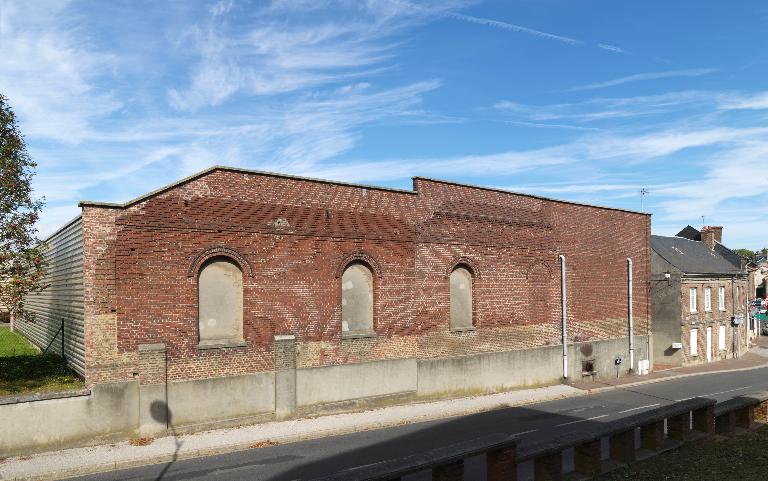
[524,432]
[582,420]
[641,407]
[715,393]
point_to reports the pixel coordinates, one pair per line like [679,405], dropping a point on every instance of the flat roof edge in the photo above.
[62,228]
[534,196]
[90,203]
[115,205]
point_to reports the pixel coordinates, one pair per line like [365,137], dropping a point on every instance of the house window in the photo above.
[692,299]
[220,302]
[721,338]
[721,298]
[707,299]
[357,299]
[694,342]
[461,298]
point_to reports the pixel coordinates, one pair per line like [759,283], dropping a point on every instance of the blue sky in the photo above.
[587,101]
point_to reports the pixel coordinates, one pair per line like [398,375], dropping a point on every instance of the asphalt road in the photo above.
[310,459]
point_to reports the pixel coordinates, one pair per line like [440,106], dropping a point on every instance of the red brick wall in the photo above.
[138,258]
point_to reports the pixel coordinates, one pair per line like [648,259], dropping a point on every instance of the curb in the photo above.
[288,439]
[671,378]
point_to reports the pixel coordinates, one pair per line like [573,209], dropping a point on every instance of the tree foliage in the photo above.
[745,253]
[21,261]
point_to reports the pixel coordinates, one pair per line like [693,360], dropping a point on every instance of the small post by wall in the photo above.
[285,376]
[154,410]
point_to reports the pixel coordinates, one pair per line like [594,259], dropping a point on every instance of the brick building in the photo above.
[238,294]
[699,298]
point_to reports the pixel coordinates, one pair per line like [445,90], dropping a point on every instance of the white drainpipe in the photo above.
[629,301]
[564,312]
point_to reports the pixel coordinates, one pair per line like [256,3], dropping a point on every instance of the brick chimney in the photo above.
[711,234]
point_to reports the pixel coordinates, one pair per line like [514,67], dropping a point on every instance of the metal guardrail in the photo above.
[448,459]
[660,428]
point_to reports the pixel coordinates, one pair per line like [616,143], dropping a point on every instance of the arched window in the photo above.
[357,299]
[461,298]
[220,301]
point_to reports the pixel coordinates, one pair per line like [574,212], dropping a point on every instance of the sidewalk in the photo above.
[82,461]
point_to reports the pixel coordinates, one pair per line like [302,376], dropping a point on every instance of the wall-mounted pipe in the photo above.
[629,314]
[564,314]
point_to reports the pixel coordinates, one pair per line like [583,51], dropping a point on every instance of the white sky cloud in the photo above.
[697,72]
[47,72]
[361,91]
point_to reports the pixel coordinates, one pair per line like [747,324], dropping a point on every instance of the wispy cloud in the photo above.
[757,101]
[726,179]
[552,126]
[514,28]
[645,76]
[501,163]
[48,73]
[606,108]
[611,48]
[278,54]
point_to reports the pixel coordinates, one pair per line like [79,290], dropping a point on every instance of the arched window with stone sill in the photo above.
[461,298]
[357,299]
[220,302]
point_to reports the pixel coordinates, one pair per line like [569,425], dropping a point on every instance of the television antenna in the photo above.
[643,193]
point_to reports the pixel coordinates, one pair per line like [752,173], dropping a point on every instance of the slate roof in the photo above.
[690,233]
[693,257]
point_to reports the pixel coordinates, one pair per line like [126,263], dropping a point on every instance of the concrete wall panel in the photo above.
[355,381]
[488,372]
[491,372]
[110,411]
[603,354]
[217,399]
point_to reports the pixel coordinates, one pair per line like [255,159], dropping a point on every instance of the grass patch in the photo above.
[743,457]
[24,370]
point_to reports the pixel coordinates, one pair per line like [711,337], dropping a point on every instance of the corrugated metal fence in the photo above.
[62,301]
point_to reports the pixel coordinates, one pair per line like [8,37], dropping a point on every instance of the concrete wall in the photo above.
[354,381]
[501,371]
[666,309]
[121,410]
[219,399]
[109,412]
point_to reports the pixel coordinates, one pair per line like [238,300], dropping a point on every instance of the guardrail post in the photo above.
[745,417]
[652,436]
[704,419]
[501,464]
[679,427]
[586,458]
[725,424]
[453,471]
[549,467]
[623,446]
[761,412]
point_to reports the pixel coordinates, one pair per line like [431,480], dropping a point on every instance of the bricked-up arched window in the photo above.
[220,302]
[461,298]
[357,299]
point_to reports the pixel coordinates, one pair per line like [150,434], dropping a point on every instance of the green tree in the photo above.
[21,262]
[745,253]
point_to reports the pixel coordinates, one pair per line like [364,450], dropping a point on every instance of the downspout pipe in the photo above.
[564,315]
[629,314]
